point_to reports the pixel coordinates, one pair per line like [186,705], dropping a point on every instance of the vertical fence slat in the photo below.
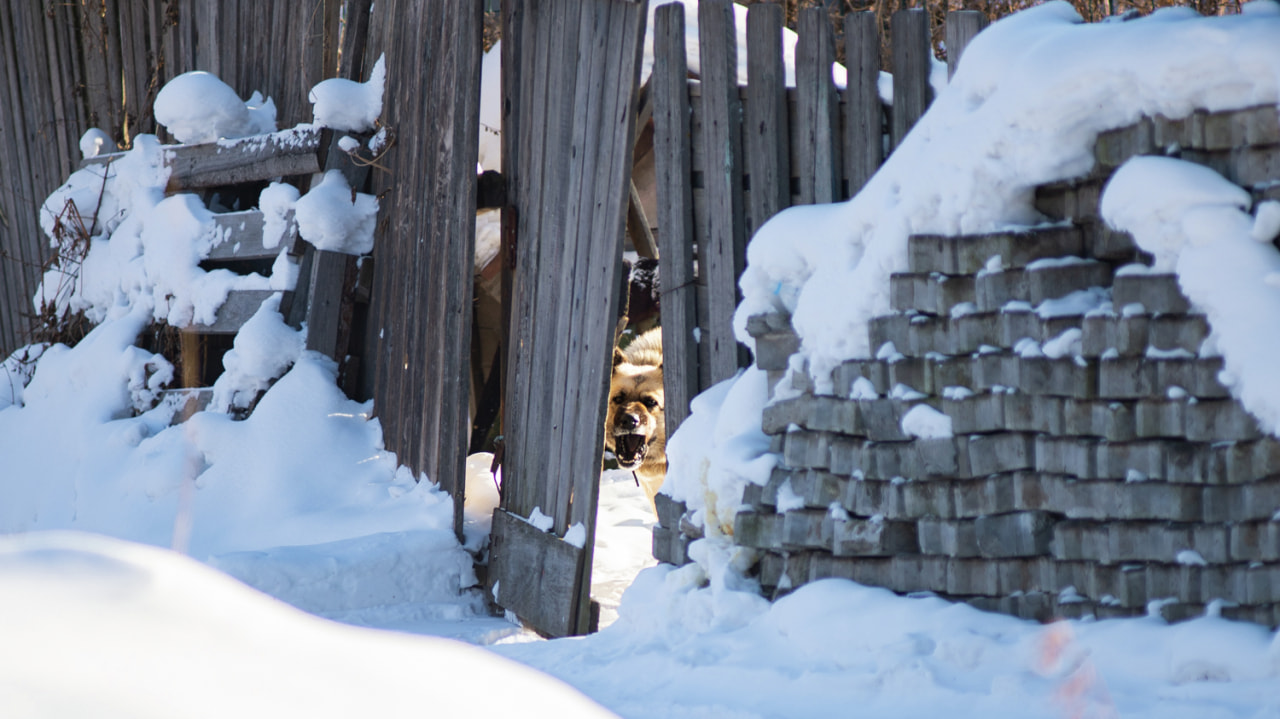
[911,60]
[672,152]
[962,25]
[818,109]
[563,181]
[765,135]
[864,114]
[724,235]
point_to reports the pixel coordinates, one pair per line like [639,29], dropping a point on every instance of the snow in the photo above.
[104,628]
[332,217]
[1016,114]
[926,422]
[1196,223]
[198,107]
[347,105]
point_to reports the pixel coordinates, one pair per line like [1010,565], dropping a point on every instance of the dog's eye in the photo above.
[650,402]
[619,399]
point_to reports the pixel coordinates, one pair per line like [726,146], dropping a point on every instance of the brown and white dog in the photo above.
[635,431]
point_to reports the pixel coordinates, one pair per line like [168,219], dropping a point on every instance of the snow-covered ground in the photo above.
[302,503]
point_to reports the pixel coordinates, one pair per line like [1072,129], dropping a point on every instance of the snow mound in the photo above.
[347,105]
[198,107]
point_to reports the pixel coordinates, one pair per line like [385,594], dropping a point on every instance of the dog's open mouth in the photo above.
[630,449]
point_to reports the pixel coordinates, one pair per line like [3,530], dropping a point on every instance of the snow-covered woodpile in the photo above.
[1017,446]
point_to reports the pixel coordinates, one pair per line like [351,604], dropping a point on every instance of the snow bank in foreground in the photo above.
[99,627]
[685,652]
[1197,223]
[88,447]
[1030,95]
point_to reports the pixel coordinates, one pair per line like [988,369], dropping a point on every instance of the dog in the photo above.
[635,431]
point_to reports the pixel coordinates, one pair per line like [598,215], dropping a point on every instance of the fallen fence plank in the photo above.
[231,162]
[239,307]
[240,237]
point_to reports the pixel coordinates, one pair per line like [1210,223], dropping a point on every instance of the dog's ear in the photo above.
[618,357]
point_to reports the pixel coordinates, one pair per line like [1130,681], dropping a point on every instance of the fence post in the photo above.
[672,152]
[818,113]
[724,237]
[863,111]
[911,59]
[766,138]
[962,25]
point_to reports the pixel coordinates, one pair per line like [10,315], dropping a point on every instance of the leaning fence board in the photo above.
[818,112]
[722,234]
[671,146]
[912,58]
[768,161]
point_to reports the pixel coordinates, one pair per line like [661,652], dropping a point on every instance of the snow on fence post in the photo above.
[817,111]
[863,111]
[912,57]
[671,143]
[962,25]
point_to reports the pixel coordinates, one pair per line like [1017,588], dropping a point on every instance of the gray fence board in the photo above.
[962,26]
[722,234]
[863,112]
[576,130]
[819,116]
[768,161]
[911,64]
[672,148]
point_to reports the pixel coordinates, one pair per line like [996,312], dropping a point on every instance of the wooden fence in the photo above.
[728,157]
[70,66]
[570,85]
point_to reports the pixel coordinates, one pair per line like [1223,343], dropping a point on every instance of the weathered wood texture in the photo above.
[67,67]
[579,70]
[675,209]
[912,58]
[538,575]
[962,26]
[419,325]
[818,113]
[722,241]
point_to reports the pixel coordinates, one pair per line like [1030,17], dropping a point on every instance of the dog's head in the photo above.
[634,428]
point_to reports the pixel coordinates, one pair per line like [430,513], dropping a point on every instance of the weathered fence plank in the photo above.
[863,112]
[912,57]
[768,160]
[818,110]
[671,145]
[571,190]
[962,26]
[241,234]
[722,234]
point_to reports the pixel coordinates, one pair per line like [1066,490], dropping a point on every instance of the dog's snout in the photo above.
[630,420]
